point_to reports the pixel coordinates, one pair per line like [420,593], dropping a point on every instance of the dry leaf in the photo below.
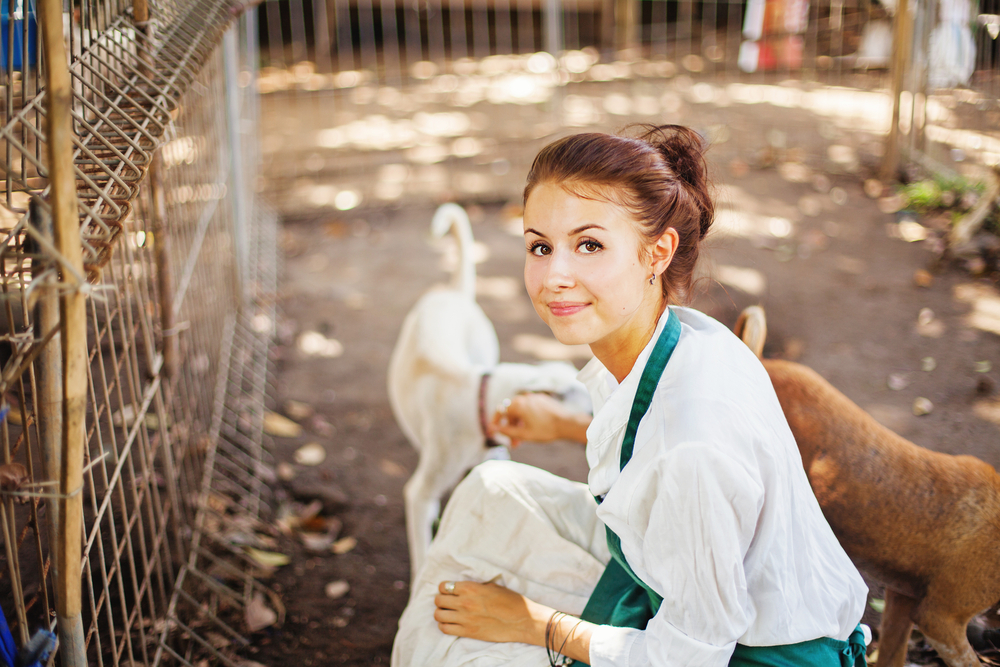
[12,476]
[258,615]
[298,410]
[342,546]
[391,468]
[337,589]
[317,542]
[280,426]
[285,471]
[310,455]
[268,558]
[922,406]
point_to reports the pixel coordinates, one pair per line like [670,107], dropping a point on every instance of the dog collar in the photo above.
[483,419]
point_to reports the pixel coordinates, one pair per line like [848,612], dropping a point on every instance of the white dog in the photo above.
[445,381]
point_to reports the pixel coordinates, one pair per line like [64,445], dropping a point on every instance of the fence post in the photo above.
[901,50]
[48,379]
[72,311]
[237,190]
[553,27]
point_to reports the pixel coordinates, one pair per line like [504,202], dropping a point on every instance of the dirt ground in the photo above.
[820,256]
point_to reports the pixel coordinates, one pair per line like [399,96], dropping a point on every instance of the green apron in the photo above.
[622,599]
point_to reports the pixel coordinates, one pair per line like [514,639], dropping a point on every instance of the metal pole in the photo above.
[72,311]
[237,190]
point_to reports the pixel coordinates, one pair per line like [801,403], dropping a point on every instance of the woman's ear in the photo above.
[663,249]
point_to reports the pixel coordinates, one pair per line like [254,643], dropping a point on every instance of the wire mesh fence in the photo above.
[179,271]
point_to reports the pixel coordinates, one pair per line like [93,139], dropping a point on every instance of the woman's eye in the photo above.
[590,246]
[539,249]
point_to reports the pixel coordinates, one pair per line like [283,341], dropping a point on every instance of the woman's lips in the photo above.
[563,308]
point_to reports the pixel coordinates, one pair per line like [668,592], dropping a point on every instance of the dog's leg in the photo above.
[894,632]
[946,633]
[422,508]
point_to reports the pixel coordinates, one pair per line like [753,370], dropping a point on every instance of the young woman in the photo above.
[697,539]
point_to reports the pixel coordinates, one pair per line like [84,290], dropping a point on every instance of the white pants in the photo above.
[513,525]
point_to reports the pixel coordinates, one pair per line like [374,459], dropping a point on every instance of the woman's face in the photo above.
[585,272]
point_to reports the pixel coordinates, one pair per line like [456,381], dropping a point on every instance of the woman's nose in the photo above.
[559,273]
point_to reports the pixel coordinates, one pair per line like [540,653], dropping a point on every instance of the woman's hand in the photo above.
[489,612]
[539,418]
[496,614]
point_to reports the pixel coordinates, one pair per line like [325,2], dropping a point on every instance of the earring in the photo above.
[652,278]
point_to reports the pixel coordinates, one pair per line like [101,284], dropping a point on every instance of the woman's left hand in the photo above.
[489,612]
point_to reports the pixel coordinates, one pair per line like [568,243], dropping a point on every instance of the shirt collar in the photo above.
[612,405]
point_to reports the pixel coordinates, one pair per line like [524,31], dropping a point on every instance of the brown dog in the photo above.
[924,524]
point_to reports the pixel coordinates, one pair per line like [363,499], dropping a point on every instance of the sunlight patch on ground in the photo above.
[985,301]
[748,280]
[549,349]
[315,344]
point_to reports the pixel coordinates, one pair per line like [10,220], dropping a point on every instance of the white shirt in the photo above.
[714,510]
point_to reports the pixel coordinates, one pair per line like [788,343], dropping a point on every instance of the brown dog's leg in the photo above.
[894,632]
[947,637]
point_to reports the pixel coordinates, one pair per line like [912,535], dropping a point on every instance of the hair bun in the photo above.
[683,150]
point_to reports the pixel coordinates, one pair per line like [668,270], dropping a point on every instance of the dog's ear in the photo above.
[751,328]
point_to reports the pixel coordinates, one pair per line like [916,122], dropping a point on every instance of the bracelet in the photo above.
[556,658]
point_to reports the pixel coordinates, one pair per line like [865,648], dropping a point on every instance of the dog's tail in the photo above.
[751,328]
[454,218]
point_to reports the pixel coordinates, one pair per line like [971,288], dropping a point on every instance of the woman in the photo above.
[715,551]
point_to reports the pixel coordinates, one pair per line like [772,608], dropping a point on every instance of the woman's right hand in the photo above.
[539,417]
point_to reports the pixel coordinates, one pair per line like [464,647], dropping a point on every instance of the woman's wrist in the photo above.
[573,426]
[567,636]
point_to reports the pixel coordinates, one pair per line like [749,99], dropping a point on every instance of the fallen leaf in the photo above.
[343,545]
[877,604]
[310,455]
[391,468]
[983,366]
[922,406]
[897,381]
[317,542]
[268,558]
[923,278]
[12,476]
[298,410]
[310,511]
[217,640]
[928,364]
[280,426]
[258,615]
[285,471]
[337,589]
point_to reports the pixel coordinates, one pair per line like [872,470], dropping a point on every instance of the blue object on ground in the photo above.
[16,20]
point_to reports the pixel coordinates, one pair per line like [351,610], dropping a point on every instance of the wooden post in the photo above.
[626,24]
[901,48]
[73,316]
[48,379]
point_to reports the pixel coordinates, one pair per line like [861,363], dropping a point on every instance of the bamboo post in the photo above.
[73,316]
[48,378]
[626,24]
[901,48]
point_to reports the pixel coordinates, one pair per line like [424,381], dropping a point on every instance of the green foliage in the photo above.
[940,192]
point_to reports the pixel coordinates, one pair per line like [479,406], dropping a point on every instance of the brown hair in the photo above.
[660,177]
